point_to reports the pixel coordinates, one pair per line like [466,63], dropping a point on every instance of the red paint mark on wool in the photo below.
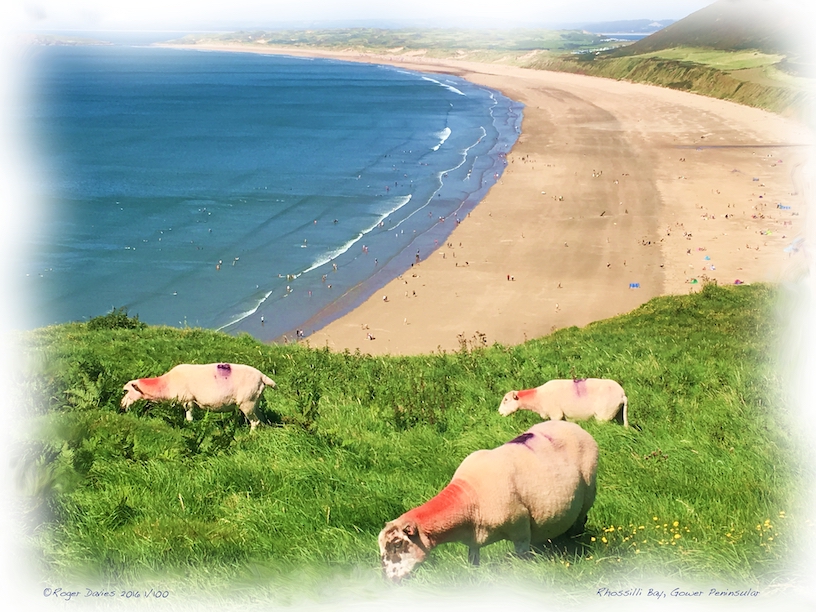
[451,500]
[153,384]
[526,393]
[152,388]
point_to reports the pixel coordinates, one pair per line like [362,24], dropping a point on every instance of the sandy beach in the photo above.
[614,193]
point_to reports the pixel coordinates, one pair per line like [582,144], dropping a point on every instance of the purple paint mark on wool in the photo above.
[580,386]
[224,369]
[522,439]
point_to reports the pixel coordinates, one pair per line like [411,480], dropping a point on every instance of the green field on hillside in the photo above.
[722,60]
[700,488]
[398,40]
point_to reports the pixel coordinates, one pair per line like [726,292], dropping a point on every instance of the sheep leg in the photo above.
[578,526]
[521,538]
[188,412]
[248,408]
[522,547]
[473,555]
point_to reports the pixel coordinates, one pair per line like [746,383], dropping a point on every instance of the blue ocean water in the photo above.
[213,189]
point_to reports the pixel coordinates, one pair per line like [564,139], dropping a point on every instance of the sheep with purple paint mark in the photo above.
[534,488]
[218,387]
[577,399]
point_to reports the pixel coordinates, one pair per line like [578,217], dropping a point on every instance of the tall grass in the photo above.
[703,485]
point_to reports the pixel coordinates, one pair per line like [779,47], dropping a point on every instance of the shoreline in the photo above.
[614,193]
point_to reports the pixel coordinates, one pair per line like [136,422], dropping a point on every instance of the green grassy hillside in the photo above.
[749,51]
[702,487]
[729,25]
[775,92]
[402,40]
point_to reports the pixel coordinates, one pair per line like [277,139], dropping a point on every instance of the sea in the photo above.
[243,192]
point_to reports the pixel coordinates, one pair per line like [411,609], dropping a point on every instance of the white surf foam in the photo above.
[445,85]
[326,258]
[443,136]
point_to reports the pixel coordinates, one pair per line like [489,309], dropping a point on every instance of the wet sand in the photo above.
[614,193]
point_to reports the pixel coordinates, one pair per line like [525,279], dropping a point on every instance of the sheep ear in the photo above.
[136,387]
[515,395]
[410,530]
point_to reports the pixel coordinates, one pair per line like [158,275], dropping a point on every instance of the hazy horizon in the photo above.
[182,15]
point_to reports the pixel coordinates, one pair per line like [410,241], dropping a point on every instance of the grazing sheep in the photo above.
[535,487]
[215,386]
[576,399]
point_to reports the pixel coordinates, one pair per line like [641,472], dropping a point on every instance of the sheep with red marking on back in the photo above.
[536,487]
[577,399]
[218,387]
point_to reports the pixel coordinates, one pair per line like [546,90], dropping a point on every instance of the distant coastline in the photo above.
[570,228]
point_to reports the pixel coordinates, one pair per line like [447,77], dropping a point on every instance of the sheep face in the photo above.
[401,549]
[132,395]
[509,404]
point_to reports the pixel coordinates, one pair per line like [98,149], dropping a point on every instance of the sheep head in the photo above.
[401,548]
[509,403]
[132,394]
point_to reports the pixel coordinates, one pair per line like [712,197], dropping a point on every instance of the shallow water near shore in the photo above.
[244,192]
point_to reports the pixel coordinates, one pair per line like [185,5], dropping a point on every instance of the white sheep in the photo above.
[576,399]
[215,386]
[536,487]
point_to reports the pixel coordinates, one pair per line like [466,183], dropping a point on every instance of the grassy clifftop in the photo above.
[701,488]
[783,94]
[749,51]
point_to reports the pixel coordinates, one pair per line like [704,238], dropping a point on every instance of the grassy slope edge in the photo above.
[686,76]
[701,488]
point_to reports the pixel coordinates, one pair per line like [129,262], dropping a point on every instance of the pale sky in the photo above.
[212,14]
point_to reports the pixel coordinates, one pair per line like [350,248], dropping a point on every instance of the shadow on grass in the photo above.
[565,546]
